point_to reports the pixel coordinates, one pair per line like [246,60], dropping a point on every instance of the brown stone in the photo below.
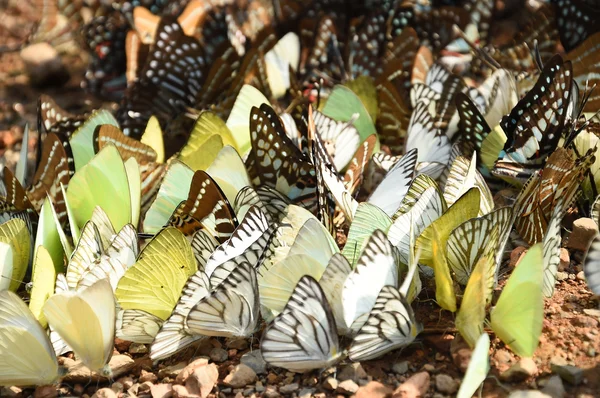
[584,231]
[461,353]
[565,259]
[416,386]
[105,393]
[521,370]
[203,380]
[240,376]
[162,391]
[189,369]
[147,376]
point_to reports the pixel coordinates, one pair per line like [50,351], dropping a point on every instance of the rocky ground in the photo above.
[566,364]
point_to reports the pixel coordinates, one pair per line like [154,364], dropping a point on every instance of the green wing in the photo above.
[518,316]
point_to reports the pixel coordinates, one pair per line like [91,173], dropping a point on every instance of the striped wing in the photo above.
[174,334]
[391,325]
[231,309]
[304,335]
[470,240]
[206,207]
[279,163]
[251,229]
[389,193]
[375,269]
[137,326]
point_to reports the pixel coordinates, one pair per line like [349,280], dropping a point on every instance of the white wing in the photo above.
[426,210]
[391,325]
[249,231]
[86,321]
[591,266]
[375,269]
[121,255]
[124,246]
[229,172]
[137,326]
[551,249]
[27,354]
[231,309]
[88,251]
[278,282]
[469,241]
[304,335]
[341,139]
[432,145]
[203,246]
[389,193]
[332,282]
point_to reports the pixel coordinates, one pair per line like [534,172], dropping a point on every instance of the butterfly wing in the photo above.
[304,335]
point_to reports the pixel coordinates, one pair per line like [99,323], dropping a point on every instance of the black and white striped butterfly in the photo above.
[534,126]
[304,336]
[169,82]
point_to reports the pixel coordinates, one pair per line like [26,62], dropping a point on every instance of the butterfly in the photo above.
[585,66]
[278,162]
[575,21]
[468,242]
[307,314]
[534,126]
[98,249]
[591,267]
[462,176]
[231,308]
[154,283]
[108,182]
[15,244]
[104,37]
[86,321]
[391,324]
[309,254]
[539,28]
[559,179]
[478,368]
[206,207]
[174,335]
[174,73]
[32,362]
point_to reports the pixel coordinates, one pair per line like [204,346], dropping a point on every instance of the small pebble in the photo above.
[289,388]
[445,384]
[137,348]
[347,387]
[400,367]
[218,355]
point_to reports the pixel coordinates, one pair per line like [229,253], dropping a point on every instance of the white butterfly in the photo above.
[375,269]
[137,326]
[27,355]
[232,309]
[85,320]
[391,323]
[304,336]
